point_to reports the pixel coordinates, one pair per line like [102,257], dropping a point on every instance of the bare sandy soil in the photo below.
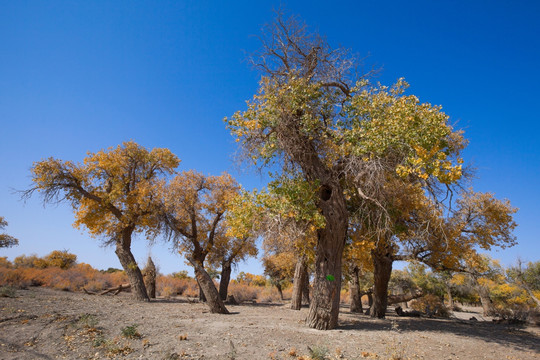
[47,324]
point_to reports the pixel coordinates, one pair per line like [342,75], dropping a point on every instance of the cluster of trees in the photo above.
[366,175]
[130,190]
[504,292]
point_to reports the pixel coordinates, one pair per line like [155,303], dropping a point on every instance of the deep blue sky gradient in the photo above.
[82,76]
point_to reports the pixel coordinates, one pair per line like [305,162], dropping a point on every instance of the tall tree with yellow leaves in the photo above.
[114,196]
[315,118]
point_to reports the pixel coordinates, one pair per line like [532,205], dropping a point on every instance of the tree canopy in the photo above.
[113,193]
[5,239]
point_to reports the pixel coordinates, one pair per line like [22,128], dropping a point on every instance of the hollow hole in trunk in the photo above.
[326,192]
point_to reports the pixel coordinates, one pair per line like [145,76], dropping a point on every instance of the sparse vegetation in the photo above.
[7,291]
[131,332]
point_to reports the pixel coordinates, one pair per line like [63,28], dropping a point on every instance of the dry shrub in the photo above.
[431,305]
[168,286]
[242,292]
[12,277]
[72,279]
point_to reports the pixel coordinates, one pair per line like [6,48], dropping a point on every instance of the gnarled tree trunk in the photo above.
[324,307]
[298,283]
[127,260]
[382,270]
[208,288]
[354,290]
[226,270]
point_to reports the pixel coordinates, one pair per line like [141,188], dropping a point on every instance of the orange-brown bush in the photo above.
[72,279]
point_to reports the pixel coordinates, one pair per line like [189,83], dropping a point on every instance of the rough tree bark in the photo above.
[354,290]
[226,269]
[207,286]
[298,283]
[305,288]
[324,307]
[130,266]
[382,270]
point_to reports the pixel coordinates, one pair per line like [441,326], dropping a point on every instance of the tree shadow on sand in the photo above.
[503,334]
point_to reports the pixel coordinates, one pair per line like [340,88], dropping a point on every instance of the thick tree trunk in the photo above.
[208,288]
[202,298]
[226,270]
[298,283]
[382,269]
[305,287]
[150,278]
[324,307]
[354,290]
[132,270]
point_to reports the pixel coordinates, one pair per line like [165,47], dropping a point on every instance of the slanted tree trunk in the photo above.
[324,307]
[208,288]
[127,260]
[150,278]
[382,269]
[354,290]
[280,290]
[226,269]
[298,283]
[305,288]
[202,298]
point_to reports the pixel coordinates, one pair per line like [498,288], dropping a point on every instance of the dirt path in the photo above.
[47,324]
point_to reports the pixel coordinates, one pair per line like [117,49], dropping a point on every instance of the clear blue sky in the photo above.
[79,76]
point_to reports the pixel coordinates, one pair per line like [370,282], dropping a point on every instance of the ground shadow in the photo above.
[504,334]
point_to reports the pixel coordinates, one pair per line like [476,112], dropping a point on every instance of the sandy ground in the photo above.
[47,324]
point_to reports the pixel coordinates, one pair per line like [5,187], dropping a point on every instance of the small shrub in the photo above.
[99,341]
[131,332]
[88,321]
[242,292]
[318,352]
[7,291]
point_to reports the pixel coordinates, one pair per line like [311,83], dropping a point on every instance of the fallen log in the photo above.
[117,290]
